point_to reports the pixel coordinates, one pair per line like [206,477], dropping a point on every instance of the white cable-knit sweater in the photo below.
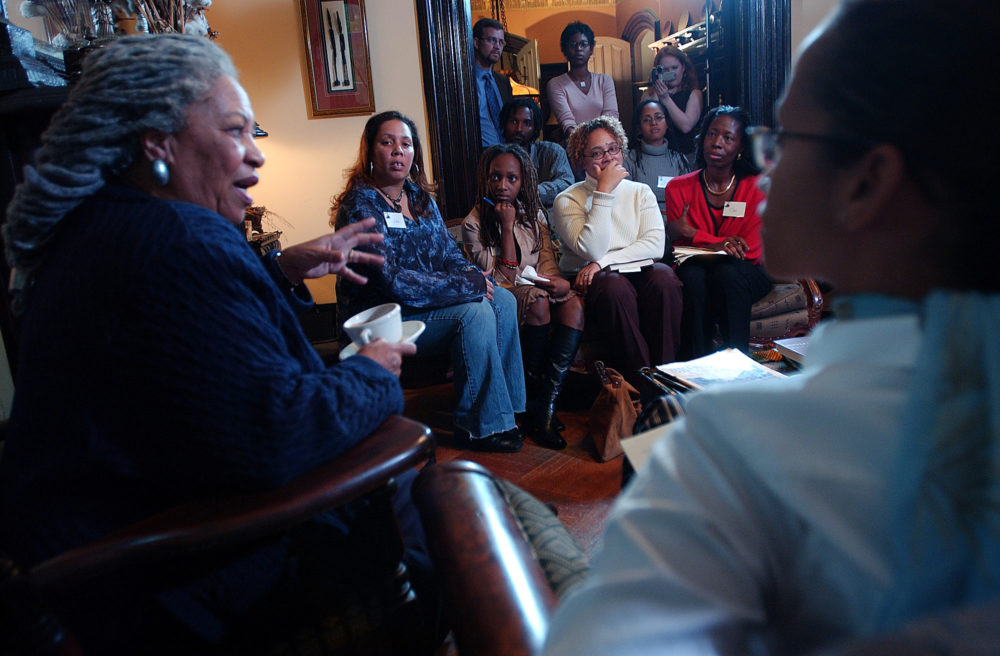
[623,226]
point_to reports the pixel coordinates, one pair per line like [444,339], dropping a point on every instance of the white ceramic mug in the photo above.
[382,321]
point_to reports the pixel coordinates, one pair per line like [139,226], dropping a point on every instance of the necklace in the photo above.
[583,83]
[709,189]
[396,207]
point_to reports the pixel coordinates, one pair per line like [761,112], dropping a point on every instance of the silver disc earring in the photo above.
[161,174]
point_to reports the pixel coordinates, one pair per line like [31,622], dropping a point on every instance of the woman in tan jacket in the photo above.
[505,234]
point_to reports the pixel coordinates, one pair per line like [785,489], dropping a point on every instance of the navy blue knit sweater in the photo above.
[159,363]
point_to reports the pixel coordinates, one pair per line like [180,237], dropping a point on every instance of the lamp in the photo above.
[258,131]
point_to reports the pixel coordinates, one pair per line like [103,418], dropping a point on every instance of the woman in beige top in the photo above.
[505,234]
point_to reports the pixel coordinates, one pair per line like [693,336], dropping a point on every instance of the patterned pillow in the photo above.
[563,561]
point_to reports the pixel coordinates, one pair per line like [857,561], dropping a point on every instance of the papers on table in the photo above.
[725,366]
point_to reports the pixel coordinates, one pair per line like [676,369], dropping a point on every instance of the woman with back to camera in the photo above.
[184,374]
[613,239]
[716,207]
[511,235]
[422,269]
[650,159]
[578,95]
[676,86]
[806,514]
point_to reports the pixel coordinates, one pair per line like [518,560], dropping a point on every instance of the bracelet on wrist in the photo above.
[510,264]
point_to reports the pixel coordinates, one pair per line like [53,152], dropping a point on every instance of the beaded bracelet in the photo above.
[510,264]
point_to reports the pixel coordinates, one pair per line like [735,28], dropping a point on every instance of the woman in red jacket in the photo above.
[715,207]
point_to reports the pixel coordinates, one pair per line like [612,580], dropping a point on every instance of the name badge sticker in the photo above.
[396,220]
[662,180]
[734,208]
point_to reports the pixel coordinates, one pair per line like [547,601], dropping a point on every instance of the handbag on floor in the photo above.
[613,413]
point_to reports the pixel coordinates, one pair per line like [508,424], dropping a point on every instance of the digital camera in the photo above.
[660,73]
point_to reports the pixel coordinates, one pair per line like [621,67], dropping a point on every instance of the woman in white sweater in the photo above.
[613,239]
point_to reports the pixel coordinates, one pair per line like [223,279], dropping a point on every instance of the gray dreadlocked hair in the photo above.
[134,85]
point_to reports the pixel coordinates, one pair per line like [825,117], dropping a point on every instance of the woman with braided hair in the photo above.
[505,233]
[184,373]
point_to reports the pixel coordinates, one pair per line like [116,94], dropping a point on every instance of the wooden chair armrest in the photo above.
[396,446]
[814,298]
[498,595]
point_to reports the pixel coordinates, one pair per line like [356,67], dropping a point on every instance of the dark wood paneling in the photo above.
[752,64]
[453,142]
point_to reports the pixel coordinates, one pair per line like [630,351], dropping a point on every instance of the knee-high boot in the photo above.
[534,345]
[543,425]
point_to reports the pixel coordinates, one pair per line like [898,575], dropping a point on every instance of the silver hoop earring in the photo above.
[161,174]
[417,167]
[371,168]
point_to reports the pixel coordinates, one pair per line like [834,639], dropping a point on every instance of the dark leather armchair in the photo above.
[398,445]
[503,558]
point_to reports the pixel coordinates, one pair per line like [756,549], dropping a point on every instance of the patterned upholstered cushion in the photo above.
[561,558]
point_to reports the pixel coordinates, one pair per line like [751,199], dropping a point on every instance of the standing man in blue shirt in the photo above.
[492,88]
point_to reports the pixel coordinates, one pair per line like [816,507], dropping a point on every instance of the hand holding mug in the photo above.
[388,354]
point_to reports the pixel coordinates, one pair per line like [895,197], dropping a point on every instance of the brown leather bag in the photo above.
[613,413]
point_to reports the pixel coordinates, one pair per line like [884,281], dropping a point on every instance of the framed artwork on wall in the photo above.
[336,39]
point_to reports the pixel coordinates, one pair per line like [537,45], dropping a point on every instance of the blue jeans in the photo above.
[481,338]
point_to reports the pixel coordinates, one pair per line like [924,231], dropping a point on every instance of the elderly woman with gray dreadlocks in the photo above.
[129,222]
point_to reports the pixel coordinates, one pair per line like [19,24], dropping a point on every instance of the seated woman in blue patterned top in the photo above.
[425,272]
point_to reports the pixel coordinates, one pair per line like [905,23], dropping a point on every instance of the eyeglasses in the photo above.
[493,41]
[598,153]
[765,143]
[578,45]
[654,118]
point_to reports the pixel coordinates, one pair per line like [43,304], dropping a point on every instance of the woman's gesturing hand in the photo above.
[679,228]
[332,253]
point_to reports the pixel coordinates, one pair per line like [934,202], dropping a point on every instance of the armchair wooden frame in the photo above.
[398,445]
[499,598]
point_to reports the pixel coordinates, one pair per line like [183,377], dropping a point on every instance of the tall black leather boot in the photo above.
[534,346]
[542,411]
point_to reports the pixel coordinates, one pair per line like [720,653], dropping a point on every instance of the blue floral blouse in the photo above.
[424,267]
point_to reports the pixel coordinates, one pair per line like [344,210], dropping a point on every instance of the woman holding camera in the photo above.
[675,83]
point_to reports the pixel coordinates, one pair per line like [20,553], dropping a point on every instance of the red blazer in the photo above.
[712,227]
